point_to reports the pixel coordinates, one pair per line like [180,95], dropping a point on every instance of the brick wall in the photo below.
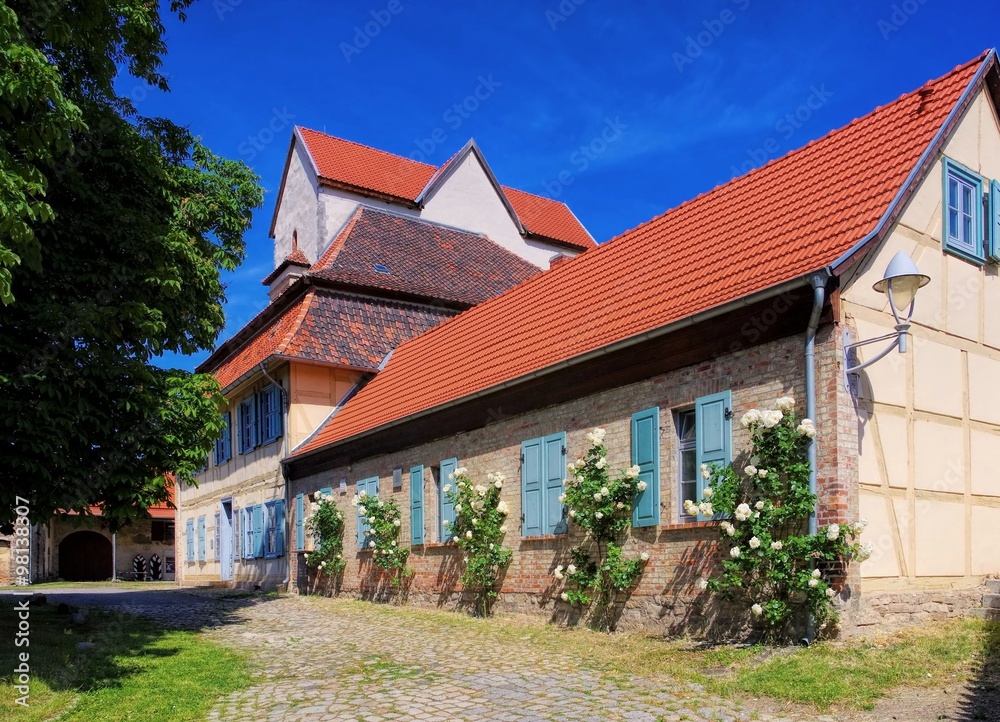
[667,597]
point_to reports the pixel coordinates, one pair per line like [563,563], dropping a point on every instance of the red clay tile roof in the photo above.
[332,327]
[420,258]
[295,258]
[795,215]
[344,162]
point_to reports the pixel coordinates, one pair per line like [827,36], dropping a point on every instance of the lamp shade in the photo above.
[901,280]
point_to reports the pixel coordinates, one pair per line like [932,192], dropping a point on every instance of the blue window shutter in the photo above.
[258,531]
[239,429]
[994,248]
[248,532]
[447,506]
[300,523]
[713,431]
[370,487]
[417,505]
[646,455]
[531,488]
[190,539]
[554,471]
[279,515]
[201,538]
[326,491]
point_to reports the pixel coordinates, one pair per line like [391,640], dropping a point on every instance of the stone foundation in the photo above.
[879,612]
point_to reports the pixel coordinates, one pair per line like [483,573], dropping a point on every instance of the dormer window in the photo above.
[963,212]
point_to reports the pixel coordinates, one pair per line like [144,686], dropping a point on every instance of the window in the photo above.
[201,539]
[270,413]
[223,445]
[543,468]
[253,532]
[963,216]
[247,424]
[446,507]
[713,433]
[369,487]
[162,531]
[189,540]
[218,531]
[274,529]
[687,459]
[646,455]
[417,505]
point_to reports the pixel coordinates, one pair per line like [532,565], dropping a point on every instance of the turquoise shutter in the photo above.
[190,539]
[370,487]
[554,469]
[279,516]
[201,538]
[448,466]
[258,530]
[646,455]
[417,505]
[326,490]
[993,250]
[713,431]
[531,488]
[300,522]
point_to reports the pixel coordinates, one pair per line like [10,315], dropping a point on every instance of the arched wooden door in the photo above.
[85,556]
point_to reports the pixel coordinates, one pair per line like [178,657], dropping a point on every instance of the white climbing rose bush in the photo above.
[601,505]
[327,526]
[770,562]
[383,519]
[479,528]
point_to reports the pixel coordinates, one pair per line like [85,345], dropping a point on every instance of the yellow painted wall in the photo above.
[929,420]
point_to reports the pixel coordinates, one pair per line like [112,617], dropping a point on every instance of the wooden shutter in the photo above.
[300,522]
[554,471]
[993,246]
[531,488]
[646,455]
[417,505]
[713,432]
[189,539]
[279,520]
[447,506]
[258,531]
[370,487]
[201,538]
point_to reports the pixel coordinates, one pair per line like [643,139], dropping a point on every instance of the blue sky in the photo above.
[697,92]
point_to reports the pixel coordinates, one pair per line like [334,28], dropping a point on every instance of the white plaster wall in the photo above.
[298,209]
[929,423]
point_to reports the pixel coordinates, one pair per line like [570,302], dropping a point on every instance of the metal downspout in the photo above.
[281,467]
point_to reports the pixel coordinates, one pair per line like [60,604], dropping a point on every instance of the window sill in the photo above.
[964,253]
[710,524]
[544,537]
[435,545]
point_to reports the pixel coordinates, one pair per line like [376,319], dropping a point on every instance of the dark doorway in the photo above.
[85,556]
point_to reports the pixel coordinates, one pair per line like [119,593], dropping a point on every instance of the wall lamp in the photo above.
[901,281]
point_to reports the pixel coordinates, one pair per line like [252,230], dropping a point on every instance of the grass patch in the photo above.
[43,587]
[135,670]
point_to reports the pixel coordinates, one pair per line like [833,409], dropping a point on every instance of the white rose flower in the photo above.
[475,522]
[502,507]
[604,491]
[503,529]
[468,534]
[451,475]
[498,483]
[572,513]
[396,523]
[571,467]
[815,574]
[454,538]
[833,532]
[620,505]
[706,473]
[601,463]
[806,428]
[785,403]
[743,512]
[458,508]
[562,498]
[690,508]
[757,610]
[728,528]
[633,471]
[759,505]
[362,494]
[762,473]
[707,492]
[447,488]
[641,486]
[597,496]
[558,573]
[706,509]
[750,418]
[354,501]
[564,596]
[830,594]
[777,546]
[599,515]
[734,552]
[756,515]
[445,522]
[770,419]
[571,569]
[754,542]
[460,471]
[859,526]
[702,583]
[813,582]
[644,556]
[371,545]
[864,551]
[750,470]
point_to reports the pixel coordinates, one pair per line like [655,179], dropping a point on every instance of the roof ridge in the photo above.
[795,151]
[367,147]
[304,306]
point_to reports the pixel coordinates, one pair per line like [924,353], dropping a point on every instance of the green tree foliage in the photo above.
[114,228]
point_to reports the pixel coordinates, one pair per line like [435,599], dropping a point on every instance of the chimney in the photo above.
[558,259]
